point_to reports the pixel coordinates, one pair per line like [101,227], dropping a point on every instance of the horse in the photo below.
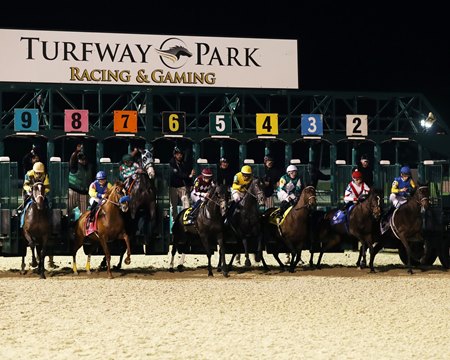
[360,223]
[245,223]
[36,228]
[406,224]
[110,226]
[208,227]
[141,217]
[293,230]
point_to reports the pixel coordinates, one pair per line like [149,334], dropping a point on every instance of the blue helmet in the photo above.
[101,175]
[405,170]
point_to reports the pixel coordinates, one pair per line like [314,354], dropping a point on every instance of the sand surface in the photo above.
[145,312]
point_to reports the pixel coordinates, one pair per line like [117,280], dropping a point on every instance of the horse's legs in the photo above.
[41,266]
[104,243]
[172,256]
[126,238]
[378,246]
[277,258]
[247,259]
[230,264]
[182,260]
[222,254]
[408,252]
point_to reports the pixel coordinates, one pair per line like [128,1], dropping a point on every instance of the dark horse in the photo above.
[141,217]
[208,226]
[360,224]
[36,228]
[406,224]
[245,223]
[110,226]
[293,231]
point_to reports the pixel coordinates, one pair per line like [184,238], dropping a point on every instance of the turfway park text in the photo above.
[157,76]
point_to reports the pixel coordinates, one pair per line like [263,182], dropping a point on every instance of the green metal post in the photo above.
[242,153]
[99,150]
[376,165]
[287,154]
[50,149]
[333,155]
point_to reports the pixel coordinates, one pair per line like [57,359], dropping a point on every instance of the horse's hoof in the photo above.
[180,268]
[226,274]
[52,265]
[42,276]
[248,262]
[127,261]
[34,263]
[210,273]
[88,272]
[171,270]
[257,257]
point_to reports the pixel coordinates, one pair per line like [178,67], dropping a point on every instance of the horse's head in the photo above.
[422,196]
[256,189]
[308,197]
[220,193]
[147,162]
[38,195]
[374,203]
[117,195]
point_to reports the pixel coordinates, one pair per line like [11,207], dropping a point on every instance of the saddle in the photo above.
[277,218]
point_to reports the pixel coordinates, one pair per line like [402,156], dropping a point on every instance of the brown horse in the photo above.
[110,226]
[208,226]
[36,228]
[361,224]
[293,231]
[405,225]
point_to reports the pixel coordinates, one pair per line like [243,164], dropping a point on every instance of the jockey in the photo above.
[402,187]
[289,188]
[35,175]
[202,185]
[241,182]
[97,191]
[127,169]
[355,189]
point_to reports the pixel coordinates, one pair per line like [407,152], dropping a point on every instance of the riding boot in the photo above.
[191,215]
[283,207]
[92,213]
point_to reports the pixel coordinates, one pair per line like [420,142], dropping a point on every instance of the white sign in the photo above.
[356,125]
[149,60]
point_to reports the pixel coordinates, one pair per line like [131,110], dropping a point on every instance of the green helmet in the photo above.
[127,157]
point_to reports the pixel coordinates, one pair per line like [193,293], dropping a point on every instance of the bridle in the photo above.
[310,200]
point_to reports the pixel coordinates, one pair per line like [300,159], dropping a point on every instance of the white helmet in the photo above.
[291,168]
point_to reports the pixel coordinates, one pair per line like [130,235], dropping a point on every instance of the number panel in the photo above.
[26,120]
[125,121]
[312,124]
[76,120]
[173,122]
[220,123]
[356,125]
[266,124]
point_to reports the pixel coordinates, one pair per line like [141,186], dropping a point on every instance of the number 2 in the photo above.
[357,121]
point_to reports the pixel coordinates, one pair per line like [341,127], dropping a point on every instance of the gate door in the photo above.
[58,173]
[387,175]
[10,199]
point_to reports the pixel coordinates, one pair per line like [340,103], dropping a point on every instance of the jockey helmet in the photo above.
[246,170]
[38,167]
[127,157]
[357,174]
[291,168]
[176,150]
[101,175]
[405,170]
[207,172]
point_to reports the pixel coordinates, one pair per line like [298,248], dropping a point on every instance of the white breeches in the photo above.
[397,200]
[236,195]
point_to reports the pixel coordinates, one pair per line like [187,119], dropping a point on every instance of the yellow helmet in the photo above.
[247,170]
[38,167]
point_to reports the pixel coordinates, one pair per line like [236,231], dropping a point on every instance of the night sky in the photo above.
[368,47]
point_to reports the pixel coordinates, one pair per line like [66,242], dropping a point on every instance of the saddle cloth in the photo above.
[186,216]
[92,226]
[340,216]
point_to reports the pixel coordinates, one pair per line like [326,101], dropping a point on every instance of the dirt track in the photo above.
[146,312]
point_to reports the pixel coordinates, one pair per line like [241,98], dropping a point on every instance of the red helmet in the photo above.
[356,174]
[207,172]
